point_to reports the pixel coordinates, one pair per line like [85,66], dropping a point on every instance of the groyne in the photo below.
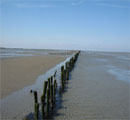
[44,108]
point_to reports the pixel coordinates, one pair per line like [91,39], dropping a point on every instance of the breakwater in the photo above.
[51,89]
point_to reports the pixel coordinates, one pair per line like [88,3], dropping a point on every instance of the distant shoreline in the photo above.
[49,49]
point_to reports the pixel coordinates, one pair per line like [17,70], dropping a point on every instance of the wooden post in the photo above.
[52,93]
[67,71]
[43,98]
[65,76]
[62,68]
[35,97]
[49,82]
[48,102]
[45,89]
[72,62]
[43,106]
[36,111]
[62,77]
[55,87]
[62,81]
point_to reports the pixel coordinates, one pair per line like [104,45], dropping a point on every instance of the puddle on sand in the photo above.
[20,103]
[120,74]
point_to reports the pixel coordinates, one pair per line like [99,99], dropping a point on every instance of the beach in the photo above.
[98,89]
[17,73]
[22,70]
[65,60]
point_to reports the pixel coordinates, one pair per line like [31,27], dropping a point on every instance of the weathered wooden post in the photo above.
[62,77]
[48,102]
[36,111]
[36,106]
[55,87]
[62,69]
[65,76]
[45,88]
[43,106]
[49,82]
[35,97]
[43,98]
[72,62]
[55,84]
[75,57]
[52,95]
[67,71]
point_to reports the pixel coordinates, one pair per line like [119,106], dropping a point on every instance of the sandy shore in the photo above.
[17,73]
[94,93]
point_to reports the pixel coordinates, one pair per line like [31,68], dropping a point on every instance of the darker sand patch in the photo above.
[17,73]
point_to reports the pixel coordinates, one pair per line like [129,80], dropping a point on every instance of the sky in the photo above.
[94,25]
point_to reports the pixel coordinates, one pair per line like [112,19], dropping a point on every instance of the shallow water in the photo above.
[120,74]
[99,88]
[19,52]
[13,52]
[21,103]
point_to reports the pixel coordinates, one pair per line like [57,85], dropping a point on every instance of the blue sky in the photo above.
[97,25]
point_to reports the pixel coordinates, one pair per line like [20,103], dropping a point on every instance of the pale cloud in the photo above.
[27,5]
[78,3]
[112,5]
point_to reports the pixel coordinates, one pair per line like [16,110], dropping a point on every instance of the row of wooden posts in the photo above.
[48,98]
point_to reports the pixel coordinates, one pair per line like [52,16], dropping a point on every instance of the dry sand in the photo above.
[16,73]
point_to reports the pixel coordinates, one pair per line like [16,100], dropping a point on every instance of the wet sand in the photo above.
[93,93]
[16,73]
